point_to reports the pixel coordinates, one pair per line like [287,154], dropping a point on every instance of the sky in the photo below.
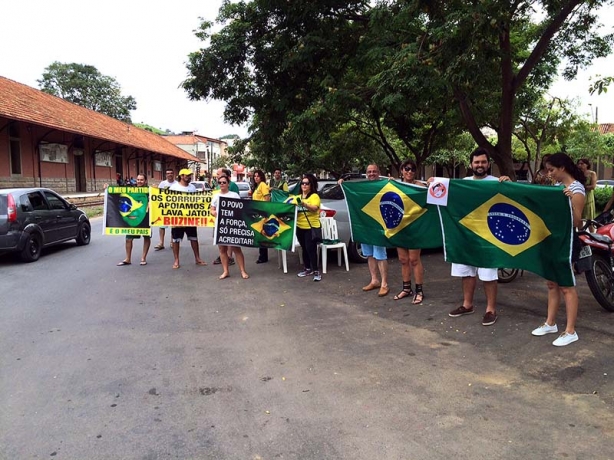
[145,48]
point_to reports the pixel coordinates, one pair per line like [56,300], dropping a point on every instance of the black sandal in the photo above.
[420,294]
[406,292]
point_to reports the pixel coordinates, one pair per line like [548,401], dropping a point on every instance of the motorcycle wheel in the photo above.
[600,281]
[507,275]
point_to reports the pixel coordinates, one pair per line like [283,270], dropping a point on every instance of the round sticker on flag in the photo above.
[438,190]
[391,208]
[508,224]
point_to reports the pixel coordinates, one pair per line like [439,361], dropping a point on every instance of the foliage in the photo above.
[223,161]
[585,141]
[453,154]
[542,126]
[600,85]
[84,85]
[152,129]
[405,75]
[602,196]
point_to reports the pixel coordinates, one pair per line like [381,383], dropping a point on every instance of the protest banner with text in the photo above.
[126,211]
[171,208]
[255,224]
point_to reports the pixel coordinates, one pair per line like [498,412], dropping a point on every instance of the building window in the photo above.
[15,149]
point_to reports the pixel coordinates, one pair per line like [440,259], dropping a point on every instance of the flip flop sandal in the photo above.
[143,262]
[123,262]
[158,248]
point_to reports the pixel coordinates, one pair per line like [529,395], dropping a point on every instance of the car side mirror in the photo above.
[72,206]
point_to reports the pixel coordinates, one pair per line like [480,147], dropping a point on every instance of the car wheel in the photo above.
[32,250]
[355,253]
[84,235]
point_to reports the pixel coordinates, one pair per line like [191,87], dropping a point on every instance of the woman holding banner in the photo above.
[261,193]
[308,220]
[223,182]
[563,170]
[410,258]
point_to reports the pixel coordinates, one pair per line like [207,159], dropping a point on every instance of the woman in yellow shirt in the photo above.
[308,217]
[261,193]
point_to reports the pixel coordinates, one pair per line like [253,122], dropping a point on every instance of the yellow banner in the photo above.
[170,208]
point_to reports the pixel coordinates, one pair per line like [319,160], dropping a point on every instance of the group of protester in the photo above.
[557,169]
[227,188]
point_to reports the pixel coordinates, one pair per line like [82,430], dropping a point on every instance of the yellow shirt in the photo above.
[261,192]
[314,216]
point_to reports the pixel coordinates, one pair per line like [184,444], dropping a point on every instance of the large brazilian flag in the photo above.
[495,224]
[392,214]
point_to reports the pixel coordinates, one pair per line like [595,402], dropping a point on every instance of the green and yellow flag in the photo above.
[504,224]
[392,214]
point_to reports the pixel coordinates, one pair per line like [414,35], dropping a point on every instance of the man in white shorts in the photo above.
[480,162]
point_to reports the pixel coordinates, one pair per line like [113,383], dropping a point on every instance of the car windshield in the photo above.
[332,193]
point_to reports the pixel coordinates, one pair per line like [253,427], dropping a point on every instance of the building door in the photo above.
[80,185]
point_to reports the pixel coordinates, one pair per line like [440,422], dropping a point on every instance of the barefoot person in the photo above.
[134,216]
[224,182]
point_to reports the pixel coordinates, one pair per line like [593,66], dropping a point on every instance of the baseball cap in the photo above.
[185,172]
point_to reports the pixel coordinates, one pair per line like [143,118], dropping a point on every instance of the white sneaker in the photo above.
[565,339]
[545,329]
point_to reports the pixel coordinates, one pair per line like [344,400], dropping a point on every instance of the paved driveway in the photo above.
[135,362]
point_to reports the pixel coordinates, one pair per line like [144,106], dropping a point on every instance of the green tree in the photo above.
[496,55]
[84,85]
[454,153]
[223,161]
[541,126]
[152,129]
[299,71]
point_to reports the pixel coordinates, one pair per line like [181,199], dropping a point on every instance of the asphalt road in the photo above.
[106,362]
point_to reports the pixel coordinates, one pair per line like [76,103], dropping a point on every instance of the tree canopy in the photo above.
[406,76]
[84,85]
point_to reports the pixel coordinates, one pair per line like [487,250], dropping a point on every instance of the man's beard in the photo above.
[480,172]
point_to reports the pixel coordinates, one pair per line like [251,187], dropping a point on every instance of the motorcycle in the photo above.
[596,259]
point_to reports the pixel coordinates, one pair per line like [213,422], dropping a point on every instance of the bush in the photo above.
[602,196]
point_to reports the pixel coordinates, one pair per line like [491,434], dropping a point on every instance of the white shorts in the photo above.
[485,274]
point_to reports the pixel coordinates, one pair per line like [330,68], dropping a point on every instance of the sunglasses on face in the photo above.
[305,183]
[222,182]
[409,168]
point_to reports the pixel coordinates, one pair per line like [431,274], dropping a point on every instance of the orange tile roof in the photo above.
[605,128]
[23,103]
[183,139]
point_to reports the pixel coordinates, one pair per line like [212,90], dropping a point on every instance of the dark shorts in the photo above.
[136,237]
[178,232]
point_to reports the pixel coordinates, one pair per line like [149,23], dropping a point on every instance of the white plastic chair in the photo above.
[282,256]
[330,233]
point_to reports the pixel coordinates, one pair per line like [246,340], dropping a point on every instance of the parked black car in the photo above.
[33,218]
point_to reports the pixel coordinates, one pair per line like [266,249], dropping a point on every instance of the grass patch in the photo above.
[94,211]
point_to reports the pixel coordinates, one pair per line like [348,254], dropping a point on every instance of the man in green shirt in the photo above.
[232,186]
[277,182]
